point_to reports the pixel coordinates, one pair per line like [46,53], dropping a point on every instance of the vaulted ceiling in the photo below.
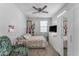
[27,9]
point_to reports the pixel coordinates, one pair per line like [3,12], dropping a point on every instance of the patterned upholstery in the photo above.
[7,49]
[5,46]
[19,50]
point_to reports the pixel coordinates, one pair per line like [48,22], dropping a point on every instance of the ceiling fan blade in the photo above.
[35,8]
[44,11]
[44,7]
[34,12]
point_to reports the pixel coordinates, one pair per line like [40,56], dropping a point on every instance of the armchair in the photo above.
[6,49]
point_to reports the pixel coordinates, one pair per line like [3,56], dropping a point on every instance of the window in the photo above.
[43,26]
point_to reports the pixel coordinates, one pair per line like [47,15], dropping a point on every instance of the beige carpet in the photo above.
[49,51]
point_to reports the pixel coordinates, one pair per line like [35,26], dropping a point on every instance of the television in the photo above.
[53,28]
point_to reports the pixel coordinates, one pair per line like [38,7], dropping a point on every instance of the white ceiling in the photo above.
[52,8]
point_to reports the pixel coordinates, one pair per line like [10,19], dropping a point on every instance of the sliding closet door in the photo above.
[70,40]
[76,31]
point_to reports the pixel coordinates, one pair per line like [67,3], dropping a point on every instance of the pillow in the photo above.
[27,36]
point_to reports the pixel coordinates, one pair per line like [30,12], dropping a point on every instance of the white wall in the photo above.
[36,21]
[58,42]
[11,15]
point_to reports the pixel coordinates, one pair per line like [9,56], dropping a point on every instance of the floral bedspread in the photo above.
[33,42]
[37,42]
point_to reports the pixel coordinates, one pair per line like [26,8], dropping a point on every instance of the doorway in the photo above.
[65,32]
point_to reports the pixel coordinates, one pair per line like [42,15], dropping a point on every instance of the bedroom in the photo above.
[25,29]
[17,21]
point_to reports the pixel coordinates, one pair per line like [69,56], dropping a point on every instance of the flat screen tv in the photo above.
[53,28]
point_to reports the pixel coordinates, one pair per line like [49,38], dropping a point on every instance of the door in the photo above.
[70,36]
[67,32]
[60,35]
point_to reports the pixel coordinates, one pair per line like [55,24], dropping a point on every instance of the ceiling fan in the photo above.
[40,9]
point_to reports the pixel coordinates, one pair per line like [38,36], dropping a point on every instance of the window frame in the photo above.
[42,27]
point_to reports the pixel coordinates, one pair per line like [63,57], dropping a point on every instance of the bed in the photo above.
[32,41]
[36,42]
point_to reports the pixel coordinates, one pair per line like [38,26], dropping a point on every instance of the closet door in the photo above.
[76,31]
[70,36]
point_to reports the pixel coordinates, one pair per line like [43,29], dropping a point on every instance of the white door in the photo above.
[75,38]
[60,35]
[70,36]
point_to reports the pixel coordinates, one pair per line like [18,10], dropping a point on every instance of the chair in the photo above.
[6,48]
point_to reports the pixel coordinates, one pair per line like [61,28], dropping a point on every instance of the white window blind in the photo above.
[43,26]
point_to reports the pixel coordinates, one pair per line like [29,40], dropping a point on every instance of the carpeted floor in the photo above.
[49,51]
